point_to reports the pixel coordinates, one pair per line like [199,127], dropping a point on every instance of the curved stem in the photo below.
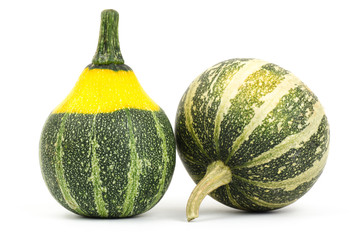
[108,50]
[217,175]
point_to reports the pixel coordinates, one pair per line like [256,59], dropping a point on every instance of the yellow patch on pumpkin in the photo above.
[105,90]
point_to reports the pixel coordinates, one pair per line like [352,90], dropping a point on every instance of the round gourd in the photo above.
[251,135]
[108,149]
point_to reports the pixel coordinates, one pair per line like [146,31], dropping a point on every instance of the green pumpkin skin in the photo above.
[103,165]
[107,150]
[260,122]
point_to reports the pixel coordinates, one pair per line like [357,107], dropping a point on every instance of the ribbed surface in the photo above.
[115,164]
[263,123]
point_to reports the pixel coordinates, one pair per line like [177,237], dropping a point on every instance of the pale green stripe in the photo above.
[231,198]
[193,161]
[165,159]
[95,175]
[291,184]
[269,205]
[133,175]
[188,116]
[270,100]
[59,170]
[260,202]
[231,91]
[293,141]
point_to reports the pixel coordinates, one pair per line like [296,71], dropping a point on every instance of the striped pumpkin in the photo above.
[252,135]
[108,149]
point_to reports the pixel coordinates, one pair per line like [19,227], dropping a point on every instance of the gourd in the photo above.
[108,150]
[251,135]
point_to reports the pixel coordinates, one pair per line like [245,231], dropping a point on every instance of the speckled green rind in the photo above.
[108,165]
[263,123]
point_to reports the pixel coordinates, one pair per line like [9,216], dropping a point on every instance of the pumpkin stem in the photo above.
[217,175]
[108,50]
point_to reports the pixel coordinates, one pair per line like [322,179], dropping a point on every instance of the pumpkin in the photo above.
[108,150]
[251,135]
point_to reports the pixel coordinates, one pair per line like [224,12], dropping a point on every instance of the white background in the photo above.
[44,46]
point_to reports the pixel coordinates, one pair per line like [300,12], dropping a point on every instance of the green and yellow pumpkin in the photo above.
[108,149]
